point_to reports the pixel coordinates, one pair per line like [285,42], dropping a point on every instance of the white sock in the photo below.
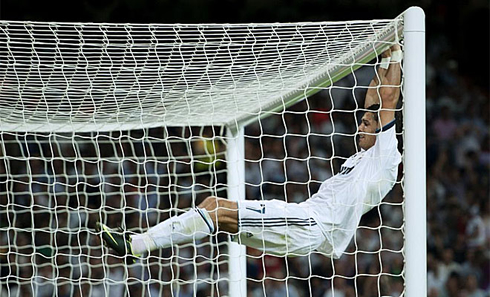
[192,225]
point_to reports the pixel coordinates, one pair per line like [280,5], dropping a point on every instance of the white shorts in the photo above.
[277,227]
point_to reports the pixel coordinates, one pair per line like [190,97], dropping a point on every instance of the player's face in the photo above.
[366,130]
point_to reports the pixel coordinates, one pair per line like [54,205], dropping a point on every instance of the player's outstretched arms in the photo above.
[372,95]
[384,89]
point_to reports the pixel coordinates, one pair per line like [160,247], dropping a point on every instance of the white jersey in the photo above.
[363,181]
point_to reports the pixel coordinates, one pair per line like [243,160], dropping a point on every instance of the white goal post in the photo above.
[133,123]
[415,185]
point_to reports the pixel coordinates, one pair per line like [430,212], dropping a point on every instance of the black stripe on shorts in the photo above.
[276,222]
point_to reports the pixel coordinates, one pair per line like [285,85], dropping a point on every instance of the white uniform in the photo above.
[328,220]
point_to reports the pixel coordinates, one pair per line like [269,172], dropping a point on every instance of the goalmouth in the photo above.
[132,123]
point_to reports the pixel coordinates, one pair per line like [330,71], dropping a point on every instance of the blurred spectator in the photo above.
[340,289]
[435,280]
[445,125]
[471,288]
[475,229]
[448,266]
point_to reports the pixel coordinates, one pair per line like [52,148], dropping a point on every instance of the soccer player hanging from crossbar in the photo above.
[325,222]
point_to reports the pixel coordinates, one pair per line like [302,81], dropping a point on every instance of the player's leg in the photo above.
[194,224]
[118,240]
[278,228]
[223,213]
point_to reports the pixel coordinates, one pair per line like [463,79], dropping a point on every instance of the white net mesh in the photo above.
[125,124]
[118,77]
[56,186]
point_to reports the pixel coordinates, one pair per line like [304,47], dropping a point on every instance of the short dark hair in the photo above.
[374,108]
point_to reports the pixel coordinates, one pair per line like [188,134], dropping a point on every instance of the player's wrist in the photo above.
[396,56]
[385,63]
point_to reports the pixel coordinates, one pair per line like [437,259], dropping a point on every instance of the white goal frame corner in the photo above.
[414,167]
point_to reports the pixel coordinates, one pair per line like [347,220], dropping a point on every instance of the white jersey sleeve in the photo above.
[382,171]
[386,146]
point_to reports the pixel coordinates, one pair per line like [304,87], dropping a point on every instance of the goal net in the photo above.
[131,124]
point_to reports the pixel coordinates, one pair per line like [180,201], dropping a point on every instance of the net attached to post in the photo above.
[126,124]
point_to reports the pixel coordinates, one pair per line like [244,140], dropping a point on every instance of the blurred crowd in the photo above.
[458,162]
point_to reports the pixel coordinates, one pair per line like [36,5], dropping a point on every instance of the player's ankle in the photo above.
[142,243]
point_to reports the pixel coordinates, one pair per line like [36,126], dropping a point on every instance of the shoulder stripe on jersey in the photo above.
[387,126]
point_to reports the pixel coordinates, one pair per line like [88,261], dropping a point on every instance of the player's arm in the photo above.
[384,89]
